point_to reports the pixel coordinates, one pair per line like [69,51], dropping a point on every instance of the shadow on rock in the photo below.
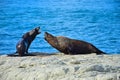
[32,54]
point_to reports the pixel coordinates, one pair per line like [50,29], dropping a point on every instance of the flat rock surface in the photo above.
[60,67]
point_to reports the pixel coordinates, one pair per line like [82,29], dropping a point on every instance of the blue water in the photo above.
[94,21]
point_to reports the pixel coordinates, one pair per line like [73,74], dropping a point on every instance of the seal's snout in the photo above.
[38,30]
[38,27]
[48,35]
[45,35]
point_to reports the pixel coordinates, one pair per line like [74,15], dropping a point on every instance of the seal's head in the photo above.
[35,31]
[31,34]
[51,39]
[48,36]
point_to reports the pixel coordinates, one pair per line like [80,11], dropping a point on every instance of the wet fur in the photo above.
[24,44]
[71,46]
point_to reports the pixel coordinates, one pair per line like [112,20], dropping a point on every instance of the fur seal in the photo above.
[23,45]
[71,46]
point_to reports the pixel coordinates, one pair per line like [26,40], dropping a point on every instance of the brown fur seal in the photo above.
[23,45]
[71,46]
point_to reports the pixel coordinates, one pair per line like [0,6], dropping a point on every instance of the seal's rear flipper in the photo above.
[101,53]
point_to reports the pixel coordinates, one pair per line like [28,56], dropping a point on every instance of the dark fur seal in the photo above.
[23,45]
[71,46]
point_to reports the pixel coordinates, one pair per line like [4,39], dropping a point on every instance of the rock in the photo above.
[108,76]
[60,67]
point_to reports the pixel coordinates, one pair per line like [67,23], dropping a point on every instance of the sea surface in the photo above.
[94,21]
